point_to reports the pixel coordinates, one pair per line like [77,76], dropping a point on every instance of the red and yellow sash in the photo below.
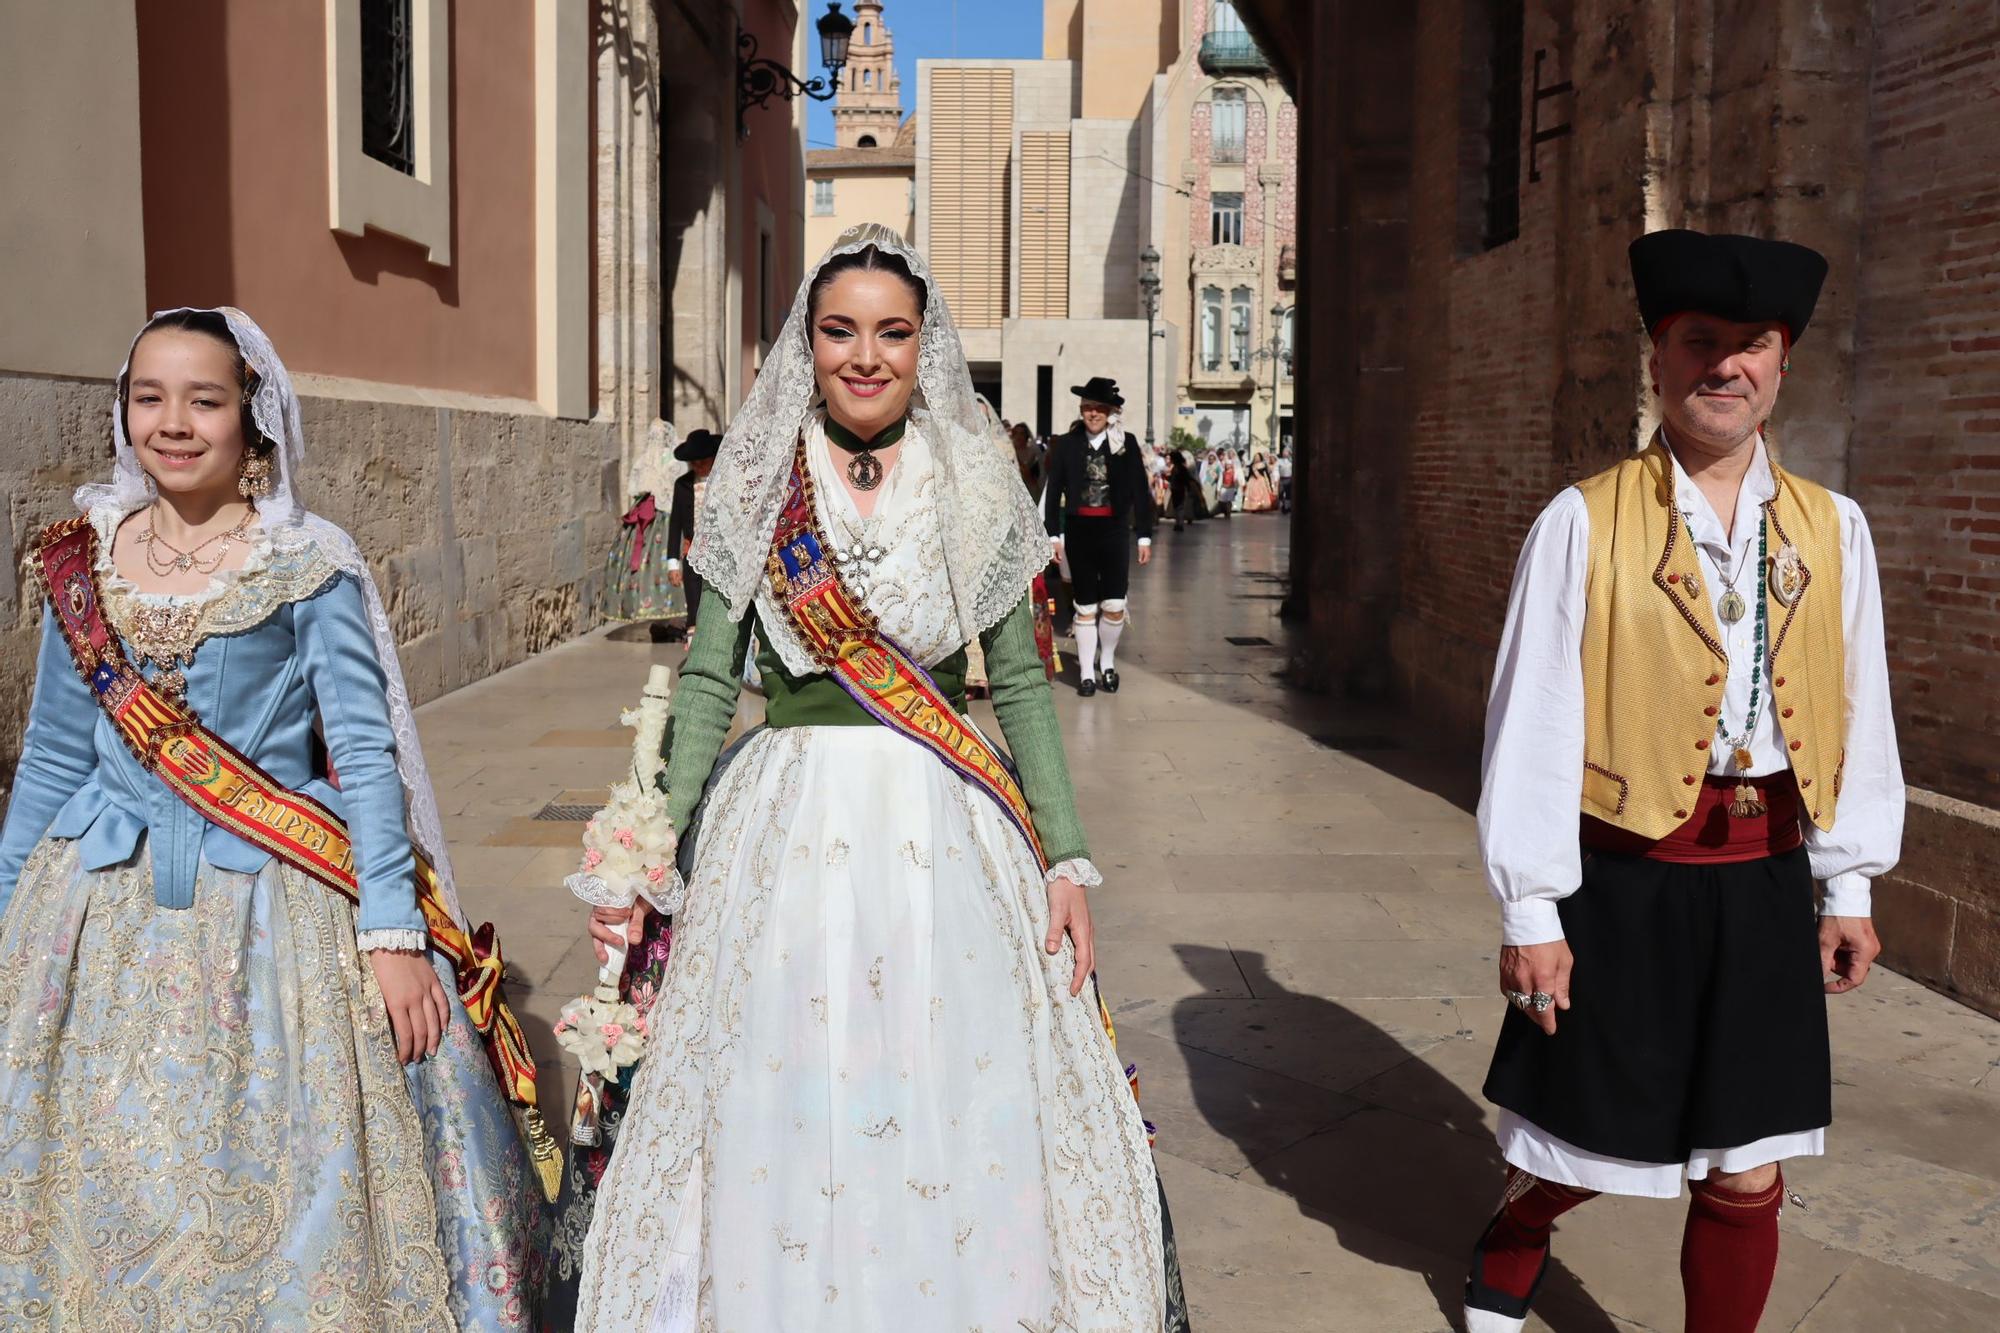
[844,637]
[232,792]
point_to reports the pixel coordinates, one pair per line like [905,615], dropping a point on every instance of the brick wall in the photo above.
[1862,129]
[1924,461]
[1509,403]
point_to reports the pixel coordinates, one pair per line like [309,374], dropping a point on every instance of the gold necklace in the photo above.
[180,562]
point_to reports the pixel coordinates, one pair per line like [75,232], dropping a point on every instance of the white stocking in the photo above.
[1110,629]
[1086,641]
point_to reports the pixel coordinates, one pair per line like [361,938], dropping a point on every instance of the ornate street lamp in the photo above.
[1274,352]
[759,78]
[1149,296]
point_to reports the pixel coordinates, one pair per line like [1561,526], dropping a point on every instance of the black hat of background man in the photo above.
[1744,279]
[698,444]
[1099,390]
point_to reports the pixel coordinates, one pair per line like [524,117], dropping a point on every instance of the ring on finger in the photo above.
[1520,999]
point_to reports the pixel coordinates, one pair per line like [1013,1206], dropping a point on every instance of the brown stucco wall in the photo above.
[234,150]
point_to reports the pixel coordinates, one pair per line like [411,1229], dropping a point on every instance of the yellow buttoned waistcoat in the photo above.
[1654,665]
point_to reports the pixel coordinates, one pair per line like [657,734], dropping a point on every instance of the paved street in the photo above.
[1300,954]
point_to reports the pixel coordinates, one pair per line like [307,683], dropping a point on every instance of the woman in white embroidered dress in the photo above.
[877,1092]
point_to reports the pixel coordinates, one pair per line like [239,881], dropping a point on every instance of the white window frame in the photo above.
[1238,147]
[1225,226]
[822,196]
[1241,320]
[1212,337]
[361,192]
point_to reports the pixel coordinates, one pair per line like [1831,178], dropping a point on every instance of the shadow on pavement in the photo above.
[1407,1186]
[1236,650]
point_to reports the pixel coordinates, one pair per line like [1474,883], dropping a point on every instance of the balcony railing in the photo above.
[1232,52]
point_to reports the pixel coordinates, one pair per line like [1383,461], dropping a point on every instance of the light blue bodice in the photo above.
[285,642]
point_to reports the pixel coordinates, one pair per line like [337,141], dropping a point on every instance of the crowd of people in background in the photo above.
[1189,482]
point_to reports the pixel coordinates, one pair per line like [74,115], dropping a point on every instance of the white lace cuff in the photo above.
[670,897]
[1077,868]
[408,941]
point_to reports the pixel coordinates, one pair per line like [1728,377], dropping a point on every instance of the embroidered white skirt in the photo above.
[868,1100]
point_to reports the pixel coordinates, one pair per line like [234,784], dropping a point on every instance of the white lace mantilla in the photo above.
[892,562]
[991,533]
[291,531]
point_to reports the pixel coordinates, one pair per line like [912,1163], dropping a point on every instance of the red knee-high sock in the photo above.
[1729,1254]
[1513,1252]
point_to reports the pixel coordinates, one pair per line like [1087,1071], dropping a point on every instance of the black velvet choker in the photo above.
[854,444]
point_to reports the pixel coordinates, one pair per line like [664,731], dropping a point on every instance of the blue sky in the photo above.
[930,30]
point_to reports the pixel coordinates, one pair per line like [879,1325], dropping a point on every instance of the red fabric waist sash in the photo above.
[1711,835]
[1094,511]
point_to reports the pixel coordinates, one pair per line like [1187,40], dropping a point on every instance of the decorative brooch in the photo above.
[1788,574]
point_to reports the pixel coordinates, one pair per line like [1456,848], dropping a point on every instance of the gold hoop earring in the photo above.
[254,481]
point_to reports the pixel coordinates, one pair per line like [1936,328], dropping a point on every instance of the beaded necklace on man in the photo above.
[1746,803]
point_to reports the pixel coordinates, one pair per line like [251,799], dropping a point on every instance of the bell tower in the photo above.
[868,109]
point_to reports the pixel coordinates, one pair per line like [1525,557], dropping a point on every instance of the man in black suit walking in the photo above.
[698,451]
[1098,496]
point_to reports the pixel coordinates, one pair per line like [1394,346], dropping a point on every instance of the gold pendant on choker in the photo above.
[864,470]
[1733,607]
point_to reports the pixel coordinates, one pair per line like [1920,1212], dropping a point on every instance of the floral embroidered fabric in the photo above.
[859,1035]
[201,1112]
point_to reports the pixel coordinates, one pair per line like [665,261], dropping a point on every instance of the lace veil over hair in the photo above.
[289,526]
[994,543]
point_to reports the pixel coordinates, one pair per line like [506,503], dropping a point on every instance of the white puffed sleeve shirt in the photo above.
[1532,773]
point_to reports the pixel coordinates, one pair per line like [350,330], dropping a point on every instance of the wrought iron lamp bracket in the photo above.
[760,78]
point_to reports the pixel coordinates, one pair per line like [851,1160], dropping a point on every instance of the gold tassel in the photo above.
[1746,805]
[543,1152]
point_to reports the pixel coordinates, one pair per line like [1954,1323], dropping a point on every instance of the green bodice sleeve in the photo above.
[704,705]
[1026,708]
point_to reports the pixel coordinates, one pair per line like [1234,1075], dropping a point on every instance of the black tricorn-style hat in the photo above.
[1745,279]
[1099,390]
[698,444]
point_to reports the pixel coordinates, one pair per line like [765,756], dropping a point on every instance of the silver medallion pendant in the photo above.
[1733,607]
[864,470]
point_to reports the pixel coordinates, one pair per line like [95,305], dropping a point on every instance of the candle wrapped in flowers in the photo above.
[628,851]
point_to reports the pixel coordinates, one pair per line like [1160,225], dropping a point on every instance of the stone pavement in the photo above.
[1300,954]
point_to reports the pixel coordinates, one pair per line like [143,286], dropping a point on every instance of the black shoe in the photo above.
[1110,681]
[1086,689]
[1487,1309]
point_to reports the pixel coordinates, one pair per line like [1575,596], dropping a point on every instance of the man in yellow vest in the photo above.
[1689,726]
